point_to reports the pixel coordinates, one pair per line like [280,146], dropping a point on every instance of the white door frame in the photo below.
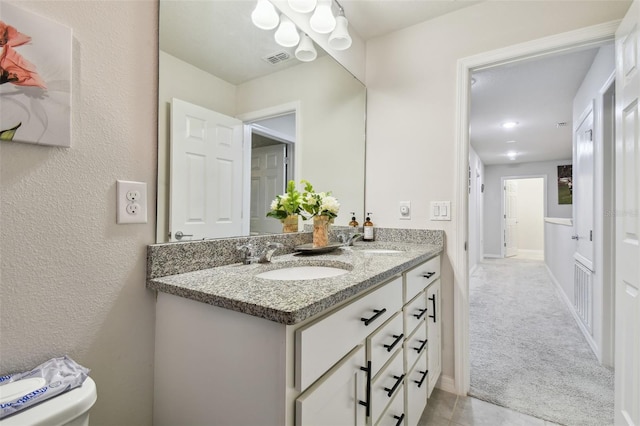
[584,37]
[517,177]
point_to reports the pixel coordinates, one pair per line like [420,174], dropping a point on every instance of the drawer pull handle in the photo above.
[428,275]
[424,343]
[399,418]
[395,386]
[395,342]
[421,314]
[367,403]
[433,299]
[377,312]
[421,381]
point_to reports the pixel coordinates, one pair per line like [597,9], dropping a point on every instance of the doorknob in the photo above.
[180,235]
[573,237]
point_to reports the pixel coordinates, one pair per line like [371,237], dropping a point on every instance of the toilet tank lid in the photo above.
[57,410]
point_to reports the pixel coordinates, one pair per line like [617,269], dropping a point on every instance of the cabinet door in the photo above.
[434,334]
[335,398]
[416,391]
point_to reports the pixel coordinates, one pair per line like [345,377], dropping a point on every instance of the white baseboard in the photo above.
[473,269]
[531,252]
[592,343]
[492,256]
[446,384]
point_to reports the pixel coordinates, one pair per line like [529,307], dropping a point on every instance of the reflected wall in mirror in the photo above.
[223,107]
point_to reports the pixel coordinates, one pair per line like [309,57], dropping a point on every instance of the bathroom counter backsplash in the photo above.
[210,272]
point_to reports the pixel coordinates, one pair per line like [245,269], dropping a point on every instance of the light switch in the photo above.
[441,210]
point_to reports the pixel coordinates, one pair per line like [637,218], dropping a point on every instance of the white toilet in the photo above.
[69,409]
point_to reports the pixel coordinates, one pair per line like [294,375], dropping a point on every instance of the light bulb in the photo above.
[340,38]
[306,52]
[322,21]
[302,6]
[264,16]
[287,33]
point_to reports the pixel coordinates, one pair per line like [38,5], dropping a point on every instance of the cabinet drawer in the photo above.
[415,313]
[416,391]
[394,415]
[385,342]
[416,345]
[321,344]
[420,277]
[386,384]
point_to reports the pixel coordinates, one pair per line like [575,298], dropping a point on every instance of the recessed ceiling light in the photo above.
[509,124]
[511,155]
[511,141]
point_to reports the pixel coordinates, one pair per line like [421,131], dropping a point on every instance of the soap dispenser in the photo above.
[354,223]
[368,229]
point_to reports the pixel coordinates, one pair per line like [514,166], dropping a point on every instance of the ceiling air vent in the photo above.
[561,124]
[276,58]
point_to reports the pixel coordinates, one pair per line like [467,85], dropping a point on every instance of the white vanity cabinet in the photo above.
[359,363]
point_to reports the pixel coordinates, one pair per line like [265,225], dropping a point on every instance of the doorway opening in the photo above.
[523,212]
[506,236]
[272,151]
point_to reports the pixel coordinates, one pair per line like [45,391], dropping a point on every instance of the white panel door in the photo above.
[267,181]
[206,173]
[583,187]
[627,287]
[510,218]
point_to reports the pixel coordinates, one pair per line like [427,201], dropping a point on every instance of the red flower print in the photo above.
[9,36]
[17,70]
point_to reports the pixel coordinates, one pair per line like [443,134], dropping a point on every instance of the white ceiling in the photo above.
[537,94]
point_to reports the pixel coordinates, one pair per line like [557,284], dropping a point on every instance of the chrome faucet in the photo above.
[268,252]
[248,255]
[348,239]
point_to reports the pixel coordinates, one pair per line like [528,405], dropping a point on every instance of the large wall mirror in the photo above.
[239,116]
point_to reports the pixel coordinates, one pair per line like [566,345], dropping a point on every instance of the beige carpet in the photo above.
[527,352]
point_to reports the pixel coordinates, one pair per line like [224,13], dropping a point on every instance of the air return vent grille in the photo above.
[276,58]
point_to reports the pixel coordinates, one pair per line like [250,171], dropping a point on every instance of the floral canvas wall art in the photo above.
[35,78]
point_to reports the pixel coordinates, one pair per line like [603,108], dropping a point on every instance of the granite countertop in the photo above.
[237,288]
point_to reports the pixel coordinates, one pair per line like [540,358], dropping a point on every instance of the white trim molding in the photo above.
[565,42]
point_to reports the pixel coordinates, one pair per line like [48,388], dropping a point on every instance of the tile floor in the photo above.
[447,409]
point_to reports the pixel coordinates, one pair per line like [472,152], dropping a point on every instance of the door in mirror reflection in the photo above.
[205,172]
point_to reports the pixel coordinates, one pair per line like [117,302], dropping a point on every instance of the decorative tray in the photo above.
[310,249]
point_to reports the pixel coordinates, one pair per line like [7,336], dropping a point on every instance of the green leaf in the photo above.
[7,135]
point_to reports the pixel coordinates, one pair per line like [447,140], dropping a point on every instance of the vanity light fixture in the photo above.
[287,34]
[306,52]
[303,6]
[322,21]
[340,38]
[264,16]
[509,124]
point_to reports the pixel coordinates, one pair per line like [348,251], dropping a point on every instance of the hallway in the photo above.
[527,353]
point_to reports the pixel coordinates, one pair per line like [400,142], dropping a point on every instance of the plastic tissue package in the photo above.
[55,376]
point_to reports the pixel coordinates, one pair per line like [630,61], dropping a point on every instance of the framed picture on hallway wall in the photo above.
[565,184]
[35,78]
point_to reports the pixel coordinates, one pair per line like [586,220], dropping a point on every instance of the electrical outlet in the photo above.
[131,202]
[405,209]
[133,195]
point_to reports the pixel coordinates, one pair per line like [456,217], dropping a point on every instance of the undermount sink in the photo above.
[298,273]
[381,251]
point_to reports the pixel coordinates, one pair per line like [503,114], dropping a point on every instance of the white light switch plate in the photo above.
[131,202]
[441,210]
